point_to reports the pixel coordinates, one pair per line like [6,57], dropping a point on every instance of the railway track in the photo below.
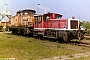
[79,43]
[73,42]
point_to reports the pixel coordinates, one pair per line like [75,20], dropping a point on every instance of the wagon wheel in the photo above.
[65,36]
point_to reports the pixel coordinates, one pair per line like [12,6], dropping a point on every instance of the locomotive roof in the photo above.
[52,13]
[49,13]
[26,10]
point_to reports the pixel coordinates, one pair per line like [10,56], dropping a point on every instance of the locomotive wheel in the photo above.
[47,33]
[80,35]
[65,36]
[18,31]
[26,31]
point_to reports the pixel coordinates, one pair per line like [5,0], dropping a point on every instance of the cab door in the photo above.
[38,22]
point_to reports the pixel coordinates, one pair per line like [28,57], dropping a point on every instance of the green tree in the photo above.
[86,24]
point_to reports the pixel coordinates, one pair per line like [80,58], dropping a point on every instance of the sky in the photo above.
[68,8]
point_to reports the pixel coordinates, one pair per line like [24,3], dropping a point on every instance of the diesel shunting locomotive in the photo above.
[23,22]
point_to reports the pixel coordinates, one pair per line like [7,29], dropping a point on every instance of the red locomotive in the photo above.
[50,25]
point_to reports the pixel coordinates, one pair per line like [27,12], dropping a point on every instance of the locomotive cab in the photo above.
[42,21]
[27,17]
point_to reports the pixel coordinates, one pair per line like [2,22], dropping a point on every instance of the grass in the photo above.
[23,48]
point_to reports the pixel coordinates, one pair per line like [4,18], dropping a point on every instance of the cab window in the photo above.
[46,18]
[25,12]
[38,19]
[32,12]
[58,16]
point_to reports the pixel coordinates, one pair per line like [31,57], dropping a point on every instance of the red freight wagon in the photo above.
[52,25]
